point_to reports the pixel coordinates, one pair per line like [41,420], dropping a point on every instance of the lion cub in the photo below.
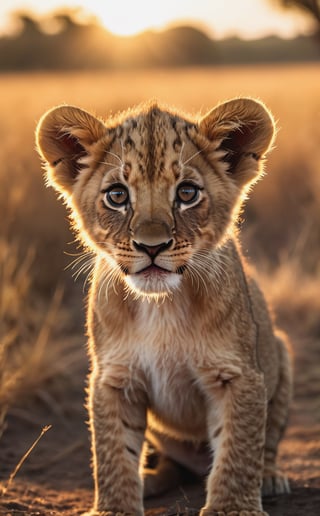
[182,348]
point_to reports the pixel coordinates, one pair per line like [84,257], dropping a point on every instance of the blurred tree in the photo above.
[312,7]
[21,52]
[29,25]
[185,46]
[69,43]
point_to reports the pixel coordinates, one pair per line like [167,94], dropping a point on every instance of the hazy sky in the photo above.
[246,18]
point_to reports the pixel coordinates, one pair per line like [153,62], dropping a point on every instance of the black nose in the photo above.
[152,250]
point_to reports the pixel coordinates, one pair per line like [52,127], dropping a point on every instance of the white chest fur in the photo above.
[164,349]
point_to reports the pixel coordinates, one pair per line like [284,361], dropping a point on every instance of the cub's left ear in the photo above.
[244,130]
[64,135]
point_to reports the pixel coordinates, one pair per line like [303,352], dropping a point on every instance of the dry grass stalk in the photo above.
[23,459]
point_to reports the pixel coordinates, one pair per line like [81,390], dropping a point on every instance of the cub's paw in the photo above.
[210,512]
[275,484]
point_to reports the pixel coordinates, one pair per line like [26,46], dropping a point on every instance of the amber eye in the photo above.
[116,196]
[187,193]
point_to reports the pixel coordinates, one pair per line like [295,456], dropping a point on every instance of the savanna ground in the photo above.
[43,364]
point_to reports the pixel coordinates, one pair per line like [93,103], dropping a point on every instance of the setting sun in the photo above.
[128,18]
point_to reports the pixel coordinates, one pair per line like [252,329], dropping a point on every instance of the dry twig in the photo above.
[23,459]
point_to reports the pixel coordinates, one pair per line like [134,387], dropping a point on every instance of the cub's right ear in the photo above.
[64,135]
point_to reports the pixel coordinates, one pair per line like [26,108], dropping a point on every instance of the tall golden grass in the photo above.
[280,224]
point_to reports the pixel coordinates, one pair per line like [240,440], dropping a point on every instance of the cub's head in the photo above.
[151,192]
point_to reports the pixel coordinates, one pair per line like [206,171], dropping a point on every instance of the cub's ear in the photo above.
[63,136]
[244,130]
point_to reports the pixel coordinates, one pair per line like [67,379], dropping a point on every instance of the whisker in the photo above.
[84,257]
[199,277]
[180,155]
[83,264]
[112,275]
[117,168]
[191,157]
[104,280]
[208,263]
[88,270]
[88,278]
[82,269]
[115,156]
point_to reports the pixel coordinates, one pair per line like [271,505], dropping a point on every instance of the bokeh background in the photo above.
[107,56]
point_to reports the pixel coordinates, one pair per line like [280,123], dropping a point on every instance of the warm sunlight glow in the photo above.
[128,18]
[247,19]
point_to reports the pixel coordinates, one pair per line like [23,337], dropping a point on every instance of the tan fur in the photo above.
[182,347]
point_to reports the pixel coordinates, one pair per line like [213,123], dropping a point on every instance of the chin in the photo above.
[156,284]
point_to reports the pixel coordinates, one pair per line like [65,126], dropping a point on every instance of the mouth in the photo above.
[153,282]
[156,270]
[153,270]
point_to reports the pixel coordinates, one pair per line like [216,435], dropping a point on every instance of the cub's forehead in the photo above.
[153,142]
[157,126]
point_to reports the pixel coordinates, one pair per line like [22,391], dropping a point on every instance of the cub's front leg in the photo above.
[117,427]
[234,484]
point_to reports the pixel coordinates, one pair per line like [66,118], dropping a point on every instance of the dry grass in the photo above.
[281,222]
[27,322]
